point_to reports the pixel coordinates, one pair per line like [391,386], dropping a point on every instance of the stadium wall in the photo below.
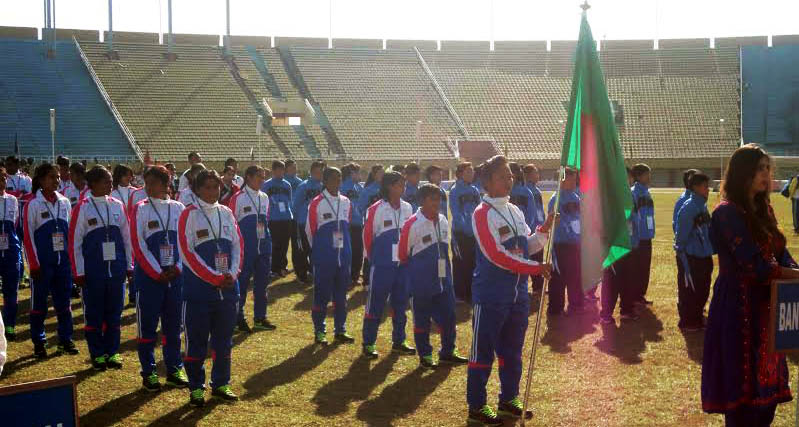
[683,43]
[25,33]
[255,41]
[196,39]
[301,42]
[358,43]
[518,45]
[410,44]
[68,33]
[461,45]
[132,37]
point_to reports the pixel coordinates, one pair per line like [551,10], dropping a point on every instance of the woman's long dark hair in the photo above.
[119,172]
[738,179]
[516,171]
[389,179]
[371,178]
[41,171]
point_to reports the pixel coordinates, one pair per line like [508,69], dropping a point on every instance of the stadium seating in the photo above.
[172,107]
[31,84]
[374,98]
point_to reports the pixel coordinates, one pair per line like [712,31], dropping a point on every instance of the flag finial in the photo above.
[585,6]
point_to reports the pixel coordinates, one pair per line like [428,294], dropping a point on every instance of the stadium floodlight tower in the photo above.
[111,53]
[49,31]
[170,55]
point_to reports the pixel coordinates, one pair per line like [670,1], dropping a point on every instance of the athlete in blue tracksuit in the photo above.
[19,185]
[424,248]
[102,257]
[10,256]
[280,217]
[159,280]
[211,249]
[327,228]
[46,225]
[381,244]
[531,177]
[686,175]
[463,200]
[412,176]
[694,254]
[251,207]
[567,277]
[522,197]
[646,229]
[302,196]
[291,174]
[499,292]
[351,189]
[368,196]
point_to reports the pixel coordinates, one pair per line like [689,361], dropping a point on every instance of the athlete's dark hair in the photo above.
[253,170]
[119,172]
[97,173]
[277,164]
[697,178]
[492,166]
[41,171]
[428,190]
[686,176]
[372,172]
[389,179]
[203,177]
[157,172]
[330,172]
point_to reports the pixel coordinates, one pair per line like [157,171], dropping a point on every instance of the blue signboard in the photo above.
[784,317]
[41,403]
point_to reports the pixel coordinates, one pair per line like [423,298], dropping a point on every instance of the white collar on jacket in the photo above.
[207,206]
[497,202]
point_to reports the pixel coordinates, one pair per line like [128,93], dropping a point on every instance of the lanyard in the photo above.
[338,206]
[124,200]
[164,226]
[108,217]
[397,213]
[258,206]
[216,236]
[510,213]
[437,227]
[3,224]
[50,211]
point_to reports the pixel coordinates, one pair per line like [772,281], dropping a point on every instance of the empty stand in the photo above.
[358,43]
[300,42]
[26,33]
[683,43]
[31,84]
[515,45]
[132,37]
[410,44]
[741,41]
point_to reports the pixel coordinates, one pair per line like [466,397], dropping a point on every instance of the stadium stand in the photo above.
[26,33]
[373,99]
[606,45]
[683,43]
[196,39]
[516,45]
[562,45]
[300,41]
[461,45]
[68,33]
[132,37]
[255,41]
[174,106]
[410,44]
[721,42]
[784,40]
[358,43]
[31,84]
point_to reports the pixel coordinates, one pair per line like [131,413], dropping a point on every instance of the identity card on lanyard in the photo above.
[58,236]
[221,259]
[166,250]
[338,236]
[442,262]
[109,247]
[515,250]
[3,235]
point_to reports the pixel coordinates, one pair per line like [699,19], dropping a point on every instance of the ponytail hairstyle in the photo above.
[41,171]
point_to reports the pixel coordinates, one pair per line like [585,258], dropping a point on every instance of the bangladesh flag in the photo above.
[591,145]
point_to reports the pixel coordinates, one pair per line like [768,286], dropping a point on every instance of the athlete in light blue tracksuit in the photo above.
[522,196]
[463,199]
[367,197]
[302,196]
[159,279]
[424,249]
[327,227]
[46,224]
[381,245]
[251,208]
[351,189]
[499,292]
[102,258]
[10,256]
[280,217]
[686,175]
[412,175]
[211,249]
[646,229]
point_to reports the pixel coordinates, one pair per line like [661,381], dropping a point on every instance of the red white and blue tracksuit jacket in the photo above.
[201,236]
[505,241]
[187,197]
[94,221]
[73,194]
[423,243]
[251,207]
[10,256]
[136,196]
[327,215]
[381,232]
[123,195]
[42,219]
[147,221]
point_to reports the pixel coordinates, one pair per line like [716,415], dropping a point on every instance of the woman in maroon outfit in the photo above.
[740,377]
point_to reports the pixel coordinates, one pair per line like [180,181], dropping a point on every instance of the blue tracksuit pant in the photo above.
[9,272]
[103,300]
[330,282]
[795,212]
[441,309]
[496,329]
[257,268]
[204,322]
[156,301]
[55,281]
[385,283]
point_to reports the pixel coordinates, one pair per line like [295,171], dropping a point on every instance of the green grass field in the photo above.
[646,373]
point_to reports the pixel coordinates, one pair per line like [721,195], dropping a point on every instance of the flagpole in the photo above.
[531,361]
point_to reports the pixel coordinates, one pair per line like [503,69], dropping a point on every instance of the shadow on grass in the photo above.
[694,344]
[186,415]
[628,340]
[117,409]
[562,330]
[290,370]
[77,322]
[403,397]
[334,397]
[285,289]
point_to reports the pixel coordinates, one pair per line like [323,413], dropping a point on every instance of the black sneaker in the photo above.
[453,358]
[39,350]
[263,325]
[197,398]
[98,364]
[370,351]
[225,393]
[513,408]
[114,361]
[320,338]
[344,337]
[484,416]
[178,379]
[428,362]
[11,335]
[150,383]
[244,327]
[75,292]
[403,348]
[67,347]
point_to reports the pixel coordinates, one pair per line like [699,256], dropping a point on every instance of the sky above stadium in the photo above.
[425,19]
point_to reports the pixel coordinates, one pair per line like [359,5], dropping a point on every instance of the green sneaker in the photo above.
[114,361]
[10,334]
[513,408]
[150,383]
[344,337]
[263,325]
[321,338]
[370,351]
[224,392]
[453,358]
[428,362]
[178,379]
[197,398]
[403,348]
[98,363]
[485,416]
[67,347]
